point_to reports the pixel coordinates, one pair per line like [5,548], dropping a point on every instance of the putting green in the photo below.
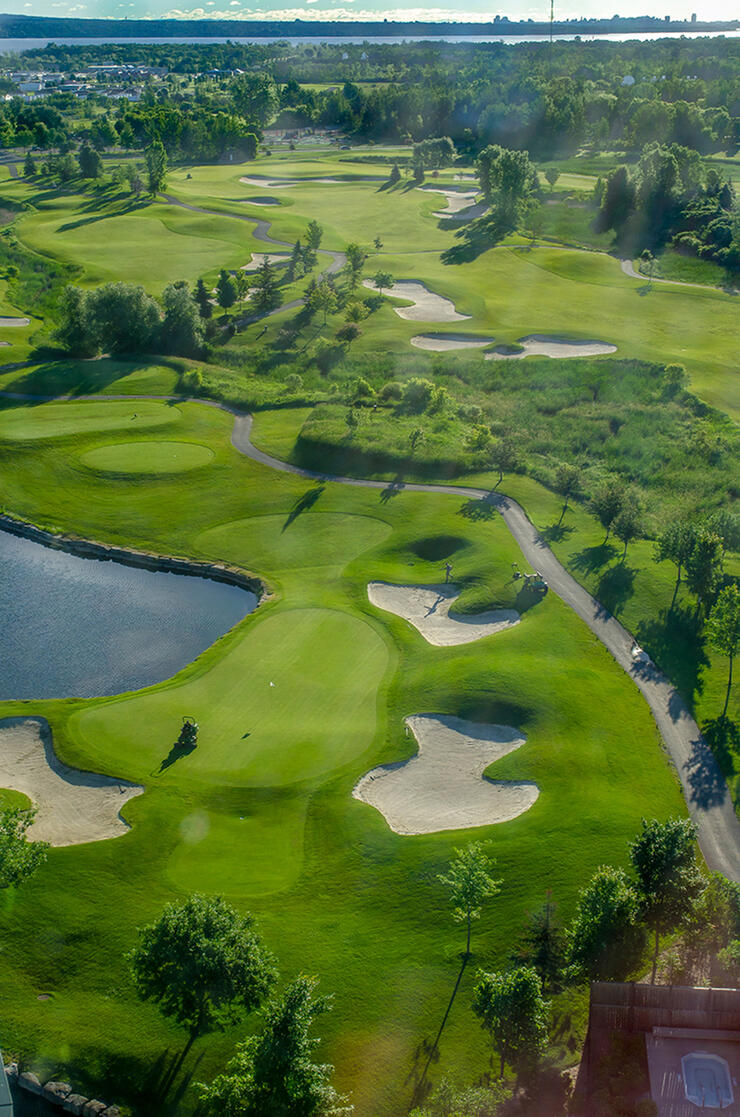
[286,704]
[58,420]
[296,540]
[147,457]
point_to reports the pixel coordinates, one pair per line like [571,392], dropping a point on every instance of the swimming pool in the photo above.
[706,1080]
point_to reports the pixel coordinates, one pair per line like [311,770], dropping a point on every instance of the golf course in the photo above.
[441,644]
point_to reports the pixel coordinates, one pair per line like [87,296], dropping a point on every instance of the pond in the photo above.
[80,627]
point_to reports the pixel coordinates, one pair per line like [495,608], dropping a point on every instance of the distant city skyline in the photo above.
[478,11]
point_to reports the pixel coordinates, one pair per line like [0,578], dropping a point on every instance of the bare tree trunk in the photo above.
[467,948]
[727,692]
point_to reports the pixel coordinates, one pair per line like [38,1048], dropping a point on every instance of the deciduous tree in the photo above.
[19,857]
[470,884]
[723,629]
[605,939]
[512,1009]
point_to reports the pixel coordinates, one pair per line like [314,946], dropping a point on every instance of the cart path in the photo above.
[704,787]
[261,232]
[629,269]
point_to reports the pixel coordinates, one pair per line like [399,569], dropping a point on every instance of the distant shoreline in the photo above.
[23,27]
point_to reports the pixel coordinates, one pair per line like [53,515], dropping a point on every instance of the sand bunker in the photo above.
[72,806]
[457,200]
[427,608]
[282,183]
[258,259]
[427,307]
[15,321]
[544,345]
[441,343]
[267,201]
[443,787]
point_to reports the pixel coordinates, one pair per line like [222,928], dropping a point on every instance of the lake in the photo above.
[78,627]
[15,46]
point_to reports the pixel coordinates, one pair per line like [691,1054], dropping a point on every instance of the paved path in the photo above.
[629,269]
[706,792]
[704,787]
[262,232]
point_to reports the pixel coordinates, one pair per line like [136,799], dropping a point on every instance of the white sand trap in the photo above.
[457,200]
[427,307]
[543,345]
[443,787]
[468,214]
[258,259]
[441,343]
[267,183]
[72,806]
[427,608]
[15,321]
[266,201]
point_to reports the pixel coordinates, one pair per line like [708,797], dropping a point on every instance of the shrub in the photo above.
[417,394]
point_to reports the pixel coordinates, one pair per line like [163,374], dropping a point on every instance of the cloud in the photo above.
[409,15]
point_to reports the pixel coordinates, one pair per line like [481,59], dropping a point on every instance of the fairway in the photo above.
[147,457]
[63,420]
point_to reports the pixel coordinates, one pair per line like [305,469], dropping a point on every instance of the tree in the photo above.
[356,258]
[19,858]
[377,244]
[126,318]
[626,523]
[504,456]
[348,333]
[91,165]
[295,263]
[552,174]
[470,885]
[605,939]
[383,281]
[314,233]
[723,629]
[543,944]
[704,566]
[65,168]
[182,328]
[511,1007]
[77,331]
[241,282]
[676,542]
[418,175]
[507,179]
[135,181]
[225,290]
[266,294]
[29,166]
[662,856]
[156,166]
[256,97]
[618,200]
[450,1100]
[203,299]
[648,264]
[203,965]
[273,1074]
[395,175]
[567,483]
[323,297]
[607,502]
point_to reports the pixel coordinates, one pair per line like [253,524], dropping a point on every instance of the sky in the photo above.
[248,10]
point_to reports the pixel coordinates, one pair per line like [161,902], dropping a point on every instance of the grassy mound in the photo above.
[147,457]
[24,424]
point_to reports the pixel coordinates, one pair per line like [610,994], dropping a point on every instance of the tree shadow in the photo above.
[475,238]
[393,488]
[704,775]
[70,377]
[421,1086]
[723,738]
[303,503]
[616,586]
[556,533]
[483,508]
[591,559]
[675,641]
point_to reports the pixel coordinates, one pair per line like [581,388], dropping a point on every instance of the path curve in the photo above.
[704,787]
[629,269]
[262,232]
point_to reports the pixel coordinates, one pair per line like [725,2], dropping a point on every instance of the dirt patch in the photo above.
[442,343]
[443,786]
[72,806]
[547,345]
[427,307]
[427,608]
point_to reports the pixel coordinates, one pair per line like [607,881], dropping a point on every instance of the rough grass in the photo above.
[269,817]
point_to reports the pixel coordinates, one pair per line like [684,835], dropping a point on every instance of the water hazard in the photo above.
[78,627]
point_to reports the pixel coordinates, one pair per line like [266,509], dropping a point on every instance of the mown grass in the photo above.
[269,816]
